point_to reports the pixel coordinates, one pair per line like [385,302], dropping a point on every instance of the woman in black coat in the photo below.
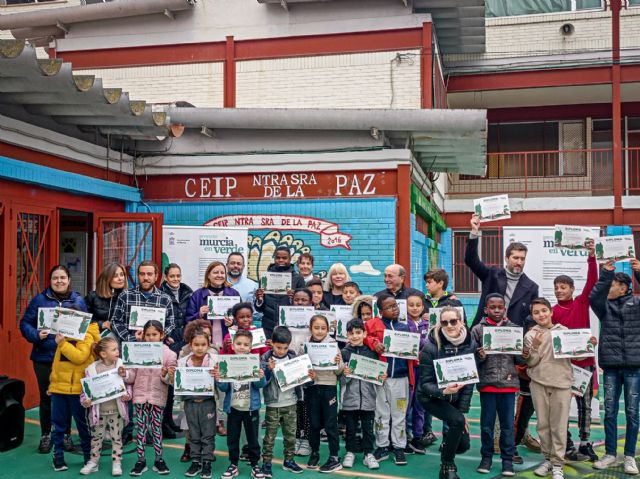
[102,302]
[447,339]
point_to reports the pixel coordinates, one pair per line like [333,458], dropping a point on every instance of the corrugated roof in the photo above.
[47,93]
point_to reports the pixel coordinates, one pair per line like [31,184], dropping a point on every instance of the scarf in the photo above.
[512,282]
[175,291]
[455,341]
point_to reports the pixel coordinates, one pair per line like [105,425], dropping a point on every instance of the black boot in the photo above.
[448,471]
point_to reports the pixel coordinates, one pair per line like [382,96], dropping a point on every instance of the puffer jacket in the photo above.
[102,308]
[619,325]
[496,370]
[357,395]
[179,313]
[149,385]
[44,350]
[71,359]
[271,302]
[428,385]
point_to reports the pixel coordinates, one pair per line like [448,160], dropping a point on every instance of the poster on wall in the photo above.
[194,247]
[73,255]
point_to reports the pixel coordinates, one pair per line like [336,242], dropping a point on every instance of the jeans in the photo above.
[63,408]
[456,440]
[614,381]
[502,405]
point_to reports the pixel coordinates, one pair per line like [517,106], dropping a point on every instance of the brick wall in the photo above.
[363,80]
[200,84]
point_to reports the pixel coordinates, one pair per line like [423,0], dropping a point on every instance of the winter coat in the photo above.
[496,370]
[428,386]
[199,299]
[271,302]
[149,385]
[94,409]
[494,280]
[71,359]
[375,333]
[619,325]
[179,312]
[421,327]
[441,302]
[272,389]
[357,395]
[544,368]
[102,308]
[44,350]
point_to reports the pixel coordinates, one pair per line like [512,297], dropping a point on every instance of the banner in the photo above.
[194,247]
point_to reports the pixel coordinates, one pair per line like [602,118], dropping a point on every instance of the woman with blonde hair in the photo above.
[337,276]
[102,301]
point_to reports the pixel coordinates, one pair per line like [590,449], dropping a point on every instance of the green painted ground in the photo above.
[25,462]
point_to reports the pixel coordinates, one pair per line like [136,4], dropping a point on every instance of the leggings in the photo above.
[149,419]
[303,425]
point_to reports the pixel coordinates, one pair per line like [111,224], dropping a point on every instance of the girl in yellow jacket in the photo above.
[69,364]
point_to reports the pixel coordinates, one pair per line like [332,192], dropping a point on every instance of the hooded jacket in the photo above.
[149,385]
[272,391]
[271,302]
[357,395]
[375,333]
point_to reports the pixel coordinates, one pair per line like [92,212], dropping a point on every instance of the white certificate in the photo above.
[572,343]
[104,386]
[574,237]
[344,314]
[293,372]
[275,283]
[193,382]
[617,248]
[322,355]
[402,305]
[142,355]
[581,379]
[259,339]
[239,368]
[434,315]
[492,208]
[139,315]
[456,370]
[296,317]
[45,317]
[502,340]
[401,344]
[220,306]
[70,323]
[367,369]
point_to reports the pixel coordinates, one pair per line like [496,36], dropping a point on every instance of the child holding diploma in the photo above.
[110,415]
[363,307]
[498,386]
[551,381]
[242,314]
[242,405]
[317,294]
[150,389]
[321,399]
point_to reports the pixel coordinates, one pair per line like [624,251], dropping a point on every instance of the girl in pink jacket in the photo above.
[150,388]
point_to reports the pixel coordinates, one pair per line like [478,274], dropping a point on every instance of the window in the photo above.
[491,253]
[509,8]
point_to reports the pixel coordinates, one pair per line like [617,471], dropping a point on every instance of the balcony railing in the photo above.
[585,172]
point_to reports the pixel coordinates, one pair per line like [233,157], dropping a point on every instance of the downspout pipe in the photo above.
[65,16]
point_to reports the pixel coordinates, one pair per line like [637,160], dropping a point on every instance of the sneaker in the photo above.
[288,465]
[59,465]
[557,472]
[332,465]
[517,458]
[485,466]
[160,467]
[607,461]
[381,454]
[371,462]
[67,443]
[507,469]
[428,439]
[88,468]
[630,466]
[45,444]
[314,460]
[256,472]
[267,468]
[232,471]
[543,469]
[572,454]
[194,469]
[139,468]
[531,443]
[587,450]
[408,451]
[348,459]
[186,454]
[304,449]
[417,446]
[116,469]
[448,471]
[399,457]
[205,473]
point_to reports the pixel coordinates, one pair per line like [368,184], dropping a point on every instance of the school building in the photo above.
[357,131]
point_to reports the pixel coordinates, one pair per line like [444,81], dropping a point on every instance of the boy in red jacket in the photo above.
[573,313]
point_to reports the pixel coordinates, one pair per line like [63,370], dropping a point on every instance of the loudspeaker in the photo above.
[11,413]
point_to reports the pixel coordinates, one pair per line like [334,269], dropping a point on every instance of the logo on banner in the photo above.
[330,236]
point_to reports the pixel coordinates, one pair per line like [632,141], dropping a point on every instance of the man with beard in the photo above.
[269,304]
[243,285]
